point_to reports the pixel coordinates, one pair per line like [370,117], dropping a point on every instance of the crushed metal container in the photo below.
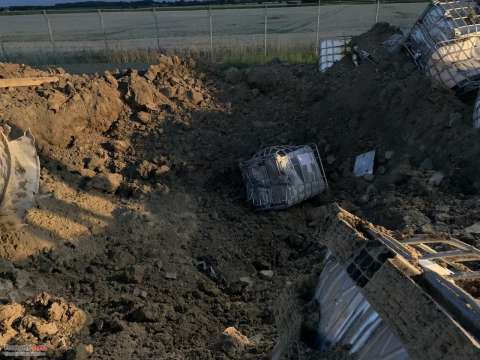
[281,176]
[347,318]
[445,42]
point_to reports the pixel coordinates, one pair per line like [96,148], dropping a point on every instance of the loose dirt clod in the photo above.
[42,318]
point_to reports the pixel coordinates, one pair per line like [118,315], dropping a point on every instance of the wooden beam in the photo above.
[27,81]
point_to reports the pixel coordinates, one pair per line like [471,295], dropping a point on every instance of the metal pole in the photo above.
[317,43]
[377,11]
[4,51]
[102,25]
[265,31]
[50,31]
[157,28]
[210,18]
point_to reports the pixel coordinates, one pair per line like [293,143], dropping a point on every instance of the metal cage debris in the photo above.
[281,176]
[331,51]
[445,42]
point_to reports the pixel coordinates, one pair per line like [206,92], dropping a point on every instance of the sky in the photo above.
[40,2]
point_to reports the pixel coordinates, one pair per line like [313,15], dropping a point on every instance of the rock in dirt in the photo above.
[153,71]
[209,288]
[233,75]
[110,78]
[266,274]
[44,317]
[163,169]
[233,342]
[145,169]
[80,352]
[107,182]
[263,78]
[56,311]
[133,274]
[389,154]
[195,97]
[246,281]
[168,91]
[141,293]
[171,275]
[473,229]
[144,117]
[436,179]
[43,328]
[143,95]
[56,100]
[146,313]
[152,313]
[10,312]
[97,162]
[119,146]
[87,173]
[261,264]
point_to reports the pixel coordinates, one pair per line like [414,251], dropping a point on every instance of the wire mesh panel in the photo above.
[331,51]
[281,176]
[445,42]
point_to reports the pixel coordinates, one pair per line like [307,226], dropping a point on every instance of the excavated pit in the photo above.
[141,221]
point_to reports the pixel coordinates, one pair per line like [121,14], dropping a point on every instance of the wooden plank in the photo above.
[27,81]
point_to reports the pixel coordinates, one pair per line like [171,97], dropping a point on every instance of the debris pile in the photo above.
[142,220]
[41,320]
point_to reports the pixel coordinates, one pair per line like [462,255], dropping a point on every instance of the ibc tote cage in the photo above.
[278,177]
[445,42]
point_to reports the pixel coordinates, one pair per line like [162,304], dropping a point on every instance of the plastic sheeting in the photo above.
[348,319]
[364,164]
[282,176]
[19,174]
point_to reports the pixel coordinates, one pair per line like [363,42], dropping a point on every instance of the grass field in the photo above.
[236,32]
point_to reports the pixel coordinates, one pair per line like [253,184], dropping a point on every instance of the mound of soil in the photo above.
[43,319]
[142,221]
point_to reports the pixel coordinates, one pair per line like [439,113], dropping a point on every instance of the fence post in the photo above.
[210,19]
[102,25]
[317,44]
[265,31]
[50,31]
[377,11]
[157,28]
[4,51]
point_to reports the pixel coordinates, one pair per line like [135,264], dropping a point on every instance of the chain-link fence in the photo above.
[261,30]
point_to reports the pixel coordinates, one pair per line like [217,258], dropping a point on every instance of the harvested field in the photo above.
[232,28]
[142,245]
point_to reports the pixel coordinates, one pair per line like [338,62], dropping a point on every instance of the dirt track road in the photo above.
[190,29]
